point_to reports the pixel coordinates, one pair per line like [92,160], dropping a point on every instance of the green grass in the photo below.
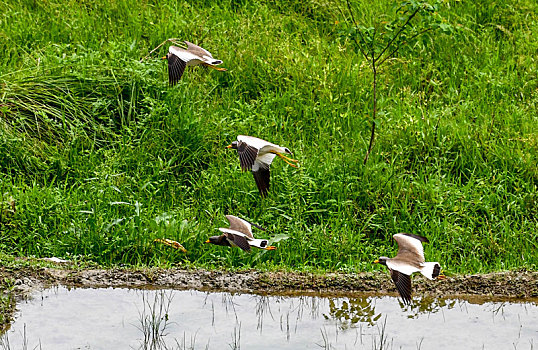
[101,157]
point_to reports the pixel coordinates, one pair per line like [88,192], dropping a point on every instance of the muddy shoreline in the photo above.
[511,284]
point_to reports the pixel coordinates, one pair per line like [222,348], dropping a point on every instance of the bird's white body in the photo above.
[260,144]
[426,268]
[257,155]
[243,228]
[233,232]
[414,260]
[410,259]
[179,58]
[259,243]
[190,58]
[266,151]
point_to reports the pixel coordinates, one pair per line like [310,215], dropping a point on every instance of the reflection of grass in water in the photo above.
[154,320]
[352,311]
[236,338]
[5,345]
[263,307]
[7,303]
[383,340]
[380,341]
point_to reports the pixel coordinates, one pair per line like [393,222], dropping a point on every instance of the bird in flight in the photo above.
[410,259]
[178,58]
[257,155]
[239,234]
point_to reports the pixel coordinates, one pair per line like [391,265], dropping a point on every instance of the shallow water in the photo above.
[168,319]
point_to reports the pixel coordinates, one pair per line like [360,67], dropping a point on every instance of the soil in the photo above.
[511,285]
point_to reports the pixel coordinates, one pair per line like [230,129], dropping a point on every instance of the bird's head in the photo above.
[215,240]
[264,244]
[287,150]
[166,57]
[233,145]
[382,260]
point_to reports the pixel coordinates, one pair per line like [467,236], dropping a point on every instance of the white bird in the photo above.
[239,234]
[410,259]
[178,58]
[257,155]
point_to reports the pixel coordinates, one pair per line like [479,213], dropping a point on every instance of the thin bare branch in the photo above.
[172,40]
[399,45]
[360,33]
[374,113]
[398,33]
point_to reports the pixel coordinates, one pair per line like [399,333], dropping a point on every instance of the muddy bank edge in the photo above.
[510,284]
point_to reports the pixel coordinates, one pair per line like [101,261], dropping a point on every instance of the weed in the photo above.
[101,157]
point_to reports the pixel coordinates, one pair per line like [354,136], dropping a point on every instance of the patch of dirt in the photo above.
[511,284]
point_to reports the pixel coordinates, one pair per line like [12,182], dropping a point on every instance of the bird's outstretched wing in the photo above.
[176,67]
[403,284]
[262,178]
[409,249]
[239,241]
[247,155]
[419,237]
[240,225]
[197,50]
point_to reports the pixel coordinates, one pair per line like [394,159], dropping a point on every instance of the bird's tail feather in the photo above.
[431,270]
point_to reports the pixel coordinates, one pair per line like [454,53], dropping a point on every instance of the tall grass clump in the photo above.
[99,156]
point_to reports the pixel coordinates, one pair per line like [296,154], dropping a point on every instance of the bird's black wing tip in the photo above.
[247,155]
[176,68]
[419,237]
[262,178]
[403,285]
[253,224]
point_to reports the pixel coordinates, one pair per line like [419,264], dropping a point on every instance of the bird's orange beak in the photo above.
[229,146]
[271,248]
[376,262]
[163,58]
[207,241]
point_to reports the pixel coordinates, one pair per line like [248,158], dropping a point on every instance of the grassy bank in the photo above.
[98,156]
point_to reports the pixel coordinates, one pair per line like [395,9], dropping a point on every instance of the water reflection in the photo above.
[168,319]
[351,311]
[154,319]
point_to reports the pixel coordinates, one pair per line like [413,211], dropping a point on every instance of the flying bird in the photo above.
[239,234]
[178,58]
[257,155]
[410,259]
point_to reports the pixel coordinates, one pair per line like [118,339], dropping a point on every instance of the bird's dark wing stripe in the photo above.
[247,155]
[436,271]
[176,67]
[239,241]
[403,284]
[262,177]
[251,153]
[241,146]
[420,238]
[255,225]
